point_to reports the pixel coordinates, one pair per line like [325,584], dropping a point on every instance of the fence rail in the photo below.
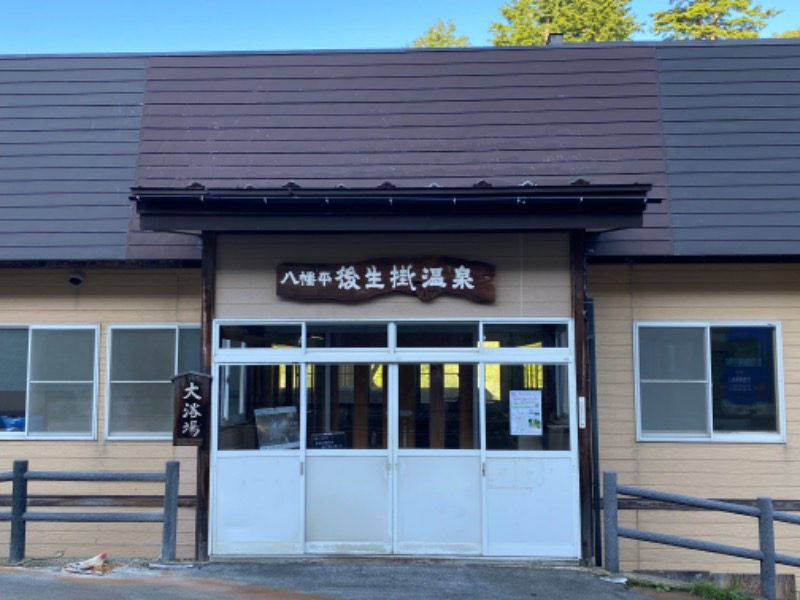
[763,511]
[20,502]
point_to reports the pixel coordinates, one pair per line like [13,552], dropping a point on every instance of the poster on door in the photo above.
[525,412]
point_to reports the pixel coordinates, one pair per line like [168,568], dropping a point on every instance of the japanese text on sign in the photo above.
[192,392]
[424,277]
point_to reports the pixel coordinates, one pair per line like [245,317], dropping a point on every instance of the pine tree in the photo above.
[711,20]
[441,35]
[529,22]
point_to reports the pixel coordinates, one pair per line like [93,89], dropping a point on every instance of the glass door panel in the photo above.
[438,480]
[257,498]
[527,407]
[348,486]
[259,407]
[347,407]
[530,483]
[438,407]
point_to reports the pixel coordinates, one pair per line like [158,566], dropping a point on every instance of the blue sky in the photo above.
[60,26]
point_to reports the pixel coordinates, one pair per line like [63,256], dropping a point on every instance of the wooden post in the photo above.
[406,387]
[766,539]
[335,401]
[360,406]
[209,274]
[170,535]
[466,406]
[578,271]
[436,407]
[610,524]
[19,505]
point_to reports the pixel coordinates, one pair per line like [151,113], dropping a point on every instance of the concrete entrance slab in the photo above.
[320,579]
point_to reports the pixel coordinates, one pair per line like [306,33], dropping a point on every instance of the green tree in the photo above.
[788,34]
[529,22]
[711,20]
[441,35]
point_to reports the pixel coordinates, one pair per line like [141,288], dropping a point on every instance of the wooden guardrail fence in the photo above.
[20,503]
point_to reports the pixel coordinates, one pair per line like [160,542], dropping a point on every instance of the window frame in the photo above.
[176,327]
[26,435]
[480,356]
[777,437]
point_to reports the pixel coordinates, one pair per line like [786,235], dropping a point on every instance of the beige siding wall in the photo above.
[629,293]
[533,278]
[108,297]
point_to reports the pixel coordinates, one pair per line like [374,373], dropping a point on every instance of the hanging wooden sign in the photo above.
[192,392]
[426,278]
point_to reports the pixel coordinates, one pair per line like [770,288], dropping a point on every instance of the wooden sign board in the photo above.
[192,393]
[426,278]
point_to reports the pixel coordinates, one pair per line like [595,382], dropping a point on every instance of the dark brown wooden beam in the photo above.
[101,500]
[578,274]
[361,406]
[436,407]
[208,303]
[407,386]
[371,224]
[466,406]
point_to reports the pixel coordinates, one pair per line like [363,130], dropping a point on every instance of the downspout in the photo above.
[592,359]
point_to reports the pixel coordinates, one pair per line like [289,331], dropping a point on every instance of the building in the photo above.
[398,249]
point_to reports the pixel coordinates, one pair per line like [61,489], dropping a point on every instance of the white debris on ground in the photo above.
[617,580]
[97,565]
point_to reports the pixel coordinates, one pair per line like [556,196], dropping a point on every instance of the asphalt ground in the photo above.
[317,579]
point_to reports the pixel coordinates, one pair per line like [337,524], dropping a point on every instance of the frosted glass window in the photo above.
[62,355]
[143,362]
[672,353]
[143,354]
[674,407]
[61,386]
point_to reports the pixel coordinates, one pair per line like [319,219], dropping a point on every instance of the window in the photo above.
[142,364]
[708,382]
[47,381]
[263,406]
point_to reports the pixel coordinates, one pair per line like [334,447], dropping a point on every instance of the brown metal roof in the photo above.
[69,136]
[544,115]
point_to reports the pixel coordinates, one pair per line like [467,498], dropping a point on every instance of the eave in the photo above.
[388,208]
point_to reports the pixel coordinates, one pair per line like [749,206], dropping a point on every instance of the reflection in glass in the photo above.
[259,407]
[260,336]
[527,407]
[743,372]
[522,335]
[13,378]
[346,407]
[347,336]
[438,406]
[437,335]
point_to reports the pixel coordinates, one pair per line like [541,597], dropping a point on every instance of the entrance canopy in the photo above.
[482,207]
